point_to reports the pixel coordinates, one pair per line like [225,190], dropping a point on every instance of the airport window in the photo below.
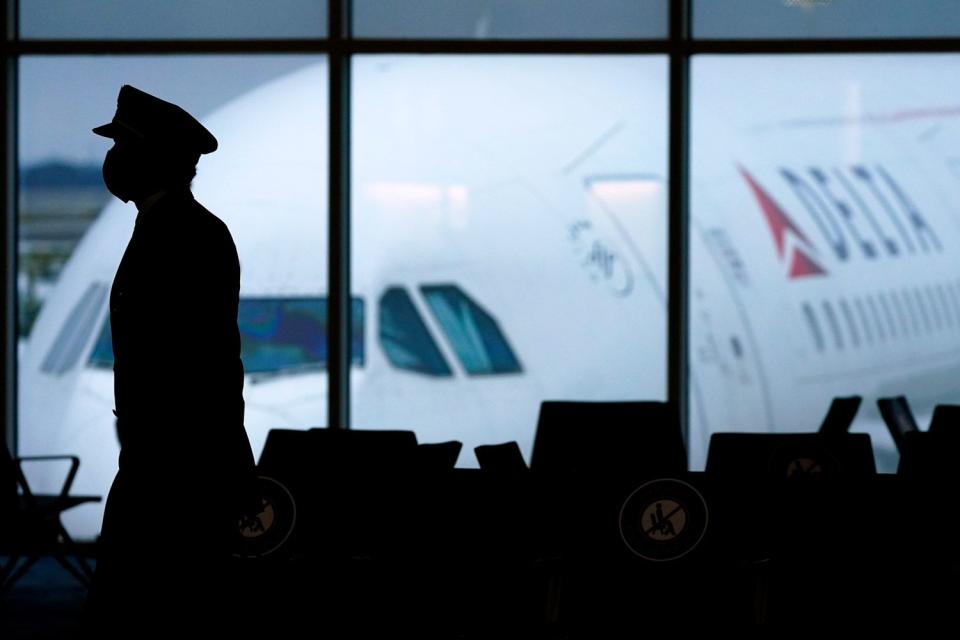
[473,333]
[795,19]
[72,232]
[405,339]
[459,177]
[509,19]
[172,19]
[75,331]
[798,159]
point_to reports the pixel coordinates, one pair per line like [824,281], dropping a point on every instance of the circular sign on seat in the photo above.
[265,532]
[800,462]
[663,520]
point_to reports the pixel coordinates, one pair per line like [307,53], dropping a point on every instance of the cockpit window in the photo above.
[405,338]
[473,333]
[277,335]
[284,334]
[75,332]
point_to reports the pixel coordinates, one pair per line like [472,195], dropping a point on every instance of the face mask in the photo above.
[117,175]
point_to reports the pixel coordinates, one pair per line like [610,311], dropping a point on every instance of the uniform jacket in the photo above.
[178,376]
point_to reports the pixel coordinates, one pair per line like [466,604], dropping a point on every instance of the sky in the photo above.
[62,98]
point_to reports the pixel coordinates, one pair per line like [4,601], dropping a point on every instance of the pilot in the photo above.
[186,470]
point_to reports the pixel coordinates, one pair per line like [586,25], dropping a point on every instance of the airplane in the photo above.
[509,237]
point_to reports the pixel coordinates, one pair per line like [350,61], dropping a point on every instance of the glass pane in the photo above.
[824,200]
[510,19]
[521,202]
[471,331]
[188,19]
[826,19]
[266,182]
[405,340]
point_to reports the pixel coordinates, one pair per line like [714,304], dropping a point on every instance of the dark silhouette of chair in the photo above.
[898,418]
[805,501]
[342,482]
[756,456]
[31,525]
[926,454]
[608,438]
[945,420]
[437,456]
[505,457]
[840,415]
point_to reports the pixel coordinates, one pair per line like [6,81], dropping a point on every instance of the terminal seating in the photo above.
[630,532]
[30,524]
[500,458]
[926,515]
[608,438]
[439,456]
[804,504]
[608,529]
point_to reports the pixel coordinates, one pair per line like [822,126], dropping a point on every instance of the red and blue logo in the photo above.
[860,212]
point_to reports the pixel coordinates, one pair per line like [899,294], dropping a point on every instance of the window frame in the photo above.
[340,47]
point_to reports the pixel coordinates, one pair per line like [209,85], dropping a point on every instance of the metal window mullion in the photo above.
[678,216]
[338,237]
[8,230]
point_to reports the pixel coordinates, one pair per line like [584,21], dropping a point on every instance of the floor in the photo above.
[46,603]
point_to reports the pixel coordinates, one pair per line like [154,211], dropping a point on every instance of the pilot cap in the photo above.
[141,116]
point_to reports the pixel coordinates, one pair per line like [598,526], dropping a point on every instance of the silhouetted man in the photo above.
[186,468]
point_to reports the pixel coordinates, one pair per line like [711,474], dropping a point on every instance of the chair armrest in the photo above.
[67,483]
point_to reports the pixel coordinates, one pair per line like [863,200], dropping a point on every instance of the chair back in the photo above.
[898,418]
[608,438]
[840,415]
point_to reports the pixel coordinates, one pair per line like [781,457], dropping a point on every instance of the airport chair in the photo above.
[505,457]
[31,522]
[840,415]
[341,481]
[600,470]
[929,482]
[608,438]
[898,418]
[806,504]
[931,454]
[789,456]
[437,456]
[945,420]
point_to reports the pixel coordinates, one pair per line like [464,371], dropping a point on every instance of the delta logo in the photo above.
[856,212]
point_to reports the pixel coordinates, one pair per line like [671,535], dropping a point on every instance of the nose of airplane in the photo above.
[289,401]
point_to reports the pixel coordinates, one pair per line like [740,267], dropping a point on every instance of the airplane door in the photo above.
[728,389]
